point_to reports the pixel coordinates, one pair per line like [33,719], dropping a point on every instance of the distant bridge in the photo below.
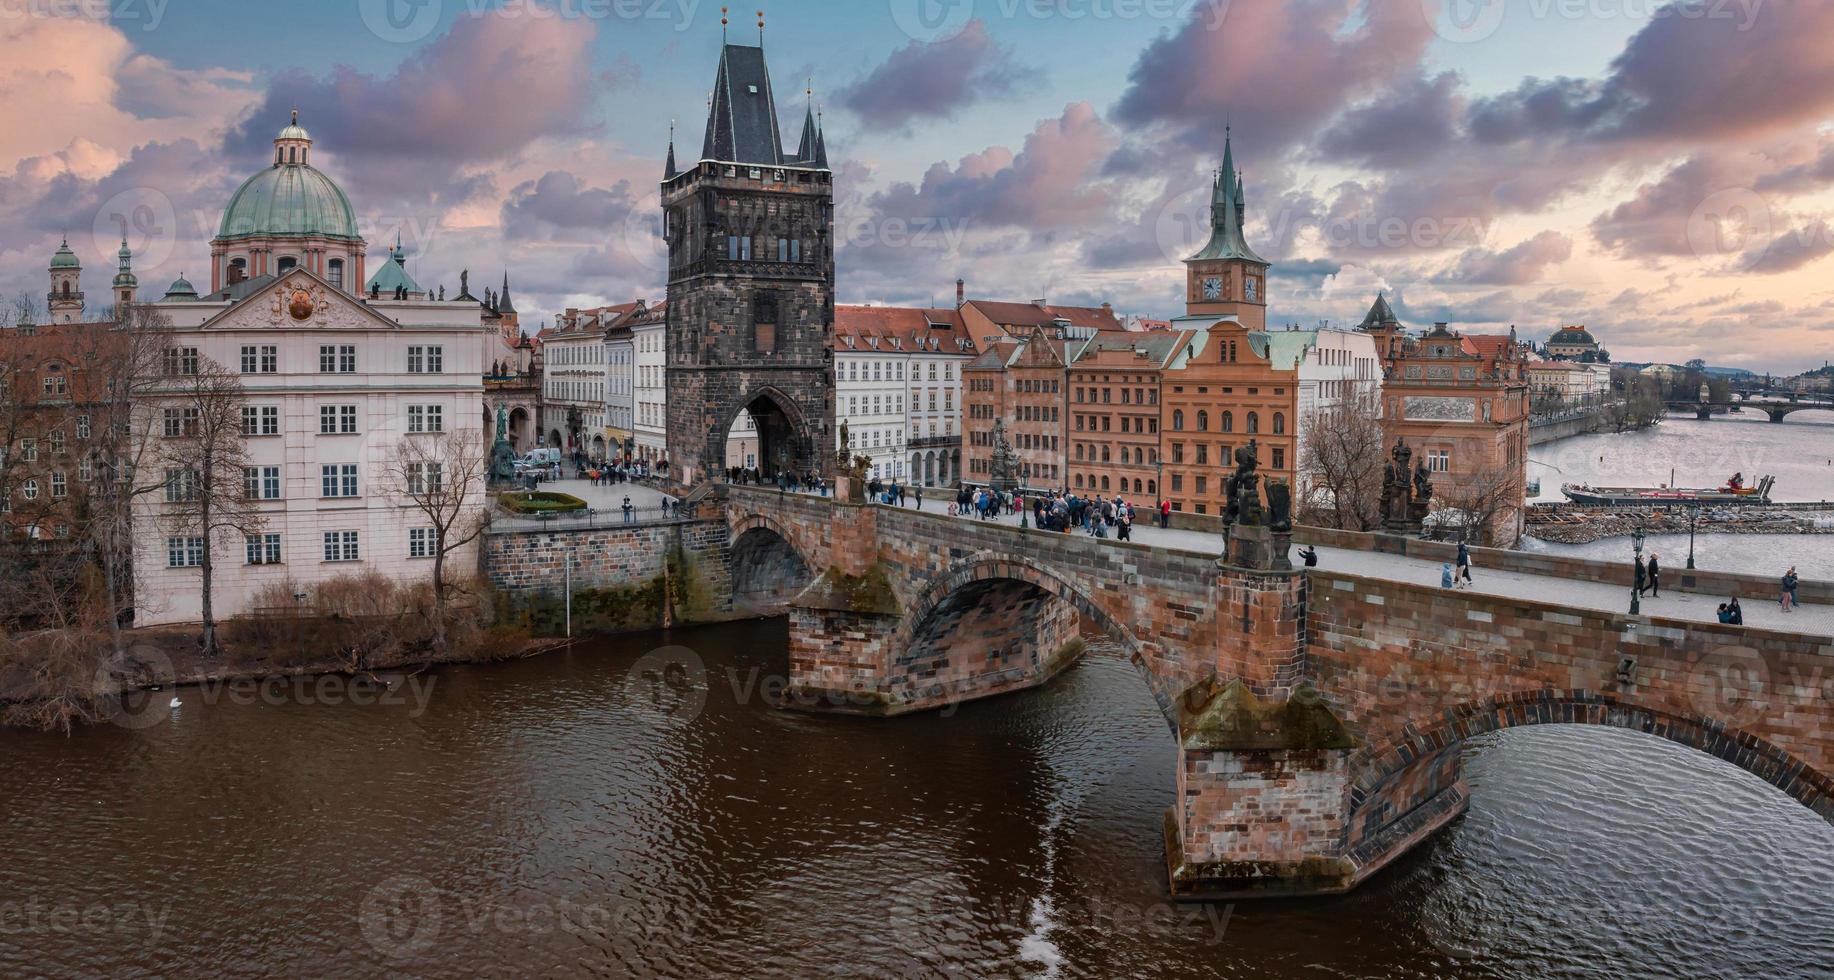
[1777,407]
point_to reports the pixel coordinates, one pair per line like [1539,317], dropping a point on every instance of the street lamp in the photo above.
[1636,594]
[1693,519]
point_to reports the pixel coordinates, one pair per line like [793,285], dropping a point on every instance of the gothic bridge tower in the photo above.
[750,311]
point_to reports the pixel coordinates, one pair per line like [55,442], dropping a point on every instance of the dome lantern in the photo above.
[293,145]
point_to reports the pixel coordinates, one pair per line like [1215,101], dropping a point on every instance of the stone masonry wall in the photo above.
[624,565]
[1414,670]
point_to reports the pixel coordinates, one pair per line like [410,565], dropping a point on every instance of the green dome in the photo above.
[65,259]
[181,288]
[289,199]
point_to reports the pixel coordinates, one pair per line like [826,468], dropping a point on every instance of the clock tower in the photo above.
[1226,277]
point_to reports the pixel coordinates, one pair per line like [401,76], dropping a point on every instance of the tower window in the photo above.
[335,272]
[764,322]
[287,264]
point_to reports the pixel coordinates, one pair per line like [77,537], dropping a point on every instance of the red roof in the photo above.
[1036,315]
[901,328]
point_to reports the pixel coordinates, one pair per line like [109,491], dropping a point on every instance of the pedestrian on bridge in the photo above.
[1642,576]
[1655,577]
[1790,582]
[627,510]
[1445,575]
[1464,565]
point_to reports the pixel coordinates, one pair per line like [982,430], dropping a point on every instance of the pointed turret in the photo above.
[125,282]
[805,148]
[669,169]
[742,115]
[503,303]
[1228,213]
[1380,316]
[821,147]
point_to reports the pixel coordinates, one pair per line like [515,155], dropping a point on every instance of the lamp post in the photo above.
[1636,594]
[1693,519]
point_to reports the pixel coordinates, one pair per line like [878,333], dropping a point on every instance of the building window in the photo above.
[738,247]
[1279,427]
[421,542]
[178,422]
[82,426]
[262,549]
[260,359]
[337,359]
[56,439]
[764,323]
[335,273]
[28,450]
[59,488]
[30,489]
[1254,422]
[338,480]
[181,361]
[426,418]
[184,552]
[261,482]
[260,420]
[1279,457]
[1178,420]
[56,385]
[181,486]
[1439,460]
[341,546]
[425,478]
[1203,421]
[336,420]
[426,360]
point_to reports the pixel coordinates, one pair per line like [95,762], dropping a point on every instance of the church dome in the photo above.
[65,259]
[290,198]
[181,288]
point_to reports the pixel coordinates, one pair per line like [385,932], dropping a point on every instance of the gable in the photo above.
[298,299]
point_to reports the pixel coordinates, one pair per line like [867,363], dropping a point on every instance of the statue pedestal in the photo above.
[1258,548]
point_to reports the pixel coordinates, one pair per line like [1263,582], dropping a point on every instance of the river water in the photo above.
[1799,452]
[592,813]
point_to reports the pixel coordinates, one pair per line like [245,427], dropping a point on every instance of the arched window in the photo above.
[1178,420]
[1254,422]
[66,289]
[1104,483]
[1105,455]
[1203,421]
[1279,423]
[1079,452]
[1228,421]
[1152,487]
[287,264]
[1139,459]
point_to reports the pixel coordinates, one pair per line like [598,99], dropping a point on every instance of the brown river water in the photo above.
[597,812]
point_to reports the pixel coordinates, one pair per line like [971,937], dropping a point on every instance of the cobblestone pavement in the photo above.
[1686,606]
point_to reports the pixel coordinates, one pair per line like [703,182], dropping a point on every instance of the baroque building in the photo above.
[750,308]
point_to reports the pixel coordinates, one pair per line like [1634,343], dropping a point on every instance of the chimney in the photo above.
[960,292]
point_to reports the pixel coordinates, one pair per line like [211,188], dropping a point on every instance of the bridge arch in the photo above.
[986,567]
[1392,777]
[768,569]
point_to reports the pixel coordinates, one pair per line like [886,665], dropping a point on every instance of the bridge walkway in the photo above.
[1684,606]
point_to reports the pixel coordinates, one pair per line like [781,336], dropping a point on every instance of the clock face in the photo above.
[1213,288]
[1252,288]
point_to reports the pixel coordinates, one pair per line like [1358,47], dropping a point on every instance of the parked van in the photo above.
[545,456]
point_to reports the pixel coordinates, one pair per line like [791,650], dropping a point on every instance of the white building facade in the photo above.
[650,393]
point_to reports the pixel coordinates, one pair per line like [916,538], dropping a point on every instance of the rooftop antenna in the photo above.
[722,25]
[760,28]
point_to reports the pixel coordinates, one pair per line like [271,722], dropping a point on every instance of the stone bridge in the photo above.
[1319,716]
[1777,408]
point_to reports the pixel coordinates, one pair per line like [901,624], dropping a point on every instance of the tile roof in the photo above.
[912,328]
[1034,315]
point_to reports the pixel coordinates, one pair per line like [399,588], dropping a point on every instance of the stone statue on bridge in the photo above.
[1256,537]
[1003,474]
[502,454]
[1407,487]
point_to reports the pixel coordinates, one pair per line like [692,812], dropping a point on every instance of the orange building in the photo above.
[1020,381]
[1461,402]
[1114,407]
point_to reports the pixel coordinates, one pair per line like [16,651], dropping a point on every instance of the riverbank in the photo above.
[1569,524]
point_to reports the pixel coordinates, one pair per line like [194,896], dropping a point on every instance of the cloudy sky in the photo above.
[1663,173]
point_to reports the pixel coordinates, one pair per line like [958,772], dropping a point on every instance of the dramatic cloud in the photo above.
[1046,185]
[1407,124]
[1277,71]
[479,93]
[1518,266]
[933,80]
[558,202]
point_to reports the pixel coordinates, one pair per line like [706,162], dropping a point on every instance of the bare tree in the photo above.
[1340,463]
[201,454]
[1480,505]
[442,476]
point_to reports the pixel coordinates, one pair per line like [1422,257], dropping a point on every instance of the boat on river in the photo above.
[1733,492]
